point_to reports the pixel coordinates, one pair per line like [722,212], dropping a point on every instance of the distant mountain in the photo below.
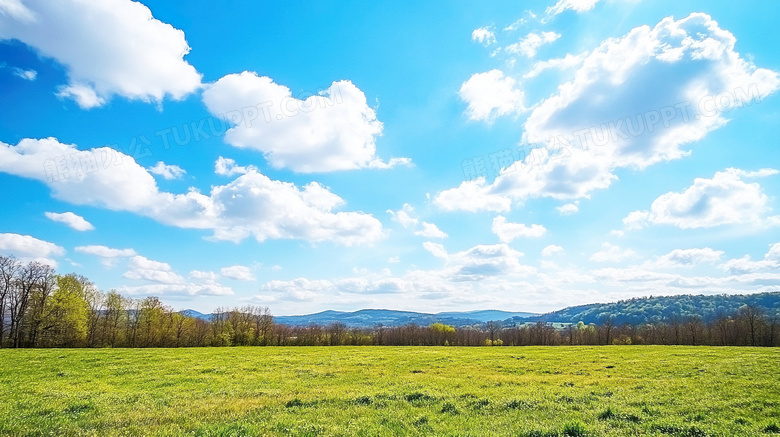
[658,308]
[373,317]
[196,314]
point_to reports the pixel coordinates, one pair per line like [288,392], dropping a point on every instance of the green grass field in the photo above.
[392,391]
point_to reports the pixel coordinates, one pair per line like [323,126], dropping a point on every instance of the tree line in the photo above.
[40,308]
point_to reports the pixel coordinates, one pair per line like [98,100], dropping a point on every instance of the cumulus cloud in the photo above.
[508,231]
[553,250]
[529,45]
[745,264]
[568,209]
[490,95]
[405,218]
[725,199]
[237,272]
[228,167]
[689,257]
[251,205]
[430,230]
[29,248]
[167,171]
[332,130]
[159,278]
[70,219]
[108,255]
[635,101]
[111,47]
[612,253]
[475,195]
[484,35]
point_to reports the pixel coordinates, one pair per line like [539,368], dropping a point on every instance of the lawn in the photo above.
[392,391]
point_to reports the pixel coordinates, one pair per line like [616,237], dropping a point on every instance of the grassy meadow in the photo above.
[392,391]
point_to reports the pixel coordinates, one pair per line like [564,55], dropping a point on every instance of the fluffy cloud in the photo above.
[332,130]
[612,253]
[484,36]
[28,248]
[159,278]
[108,256]
[475,195]
[568,209]
[689,257]
[404,217]
[70,219]
[429,230]
[552,250]
[634,102]
[744,265]
[239,273]
[251,205]
[110,47]
[228,167]
[507,231]
[726,199]
[490,95]
[529,45]
[167,171]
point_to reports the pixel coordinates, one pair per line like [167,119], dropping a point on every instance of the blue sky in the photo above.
[520,156]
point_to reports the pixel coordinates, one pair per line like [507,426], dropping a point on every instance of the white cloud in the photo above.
[436,249]
[553,250]
[239,273]
[403,216]
[744,265]
[251,205]
[329,131]
[228,167]
[635,101]
[110,47]
[491,95]
[612,253]
[726,199]
[508,231]
[578,6]
[567,62]
[29,248]
[14,9]
[689,257]
[105,252]
[108,256]
[429,230]
[773,253]
[167,171]
[529,45]
[142,268]
[70,219]
[484,35]
[475,195]
[568,209]
[159,278]
[26,74]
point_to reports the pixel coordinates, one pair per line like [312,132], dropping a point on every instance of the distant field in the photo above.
[392,391]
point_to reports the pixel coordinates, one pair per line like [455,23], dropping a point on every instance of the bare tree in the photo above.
[9,269]
[493,327]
